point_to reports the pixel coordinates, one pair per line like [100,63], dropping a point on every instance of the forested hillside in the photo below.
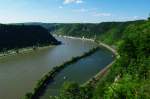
[108,32]
[19,36]
[129,77]
[49,26]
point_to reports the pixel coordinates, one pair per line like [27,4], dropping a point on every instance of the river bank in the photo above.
[29,49]
[96,78]
[22,51]
[83,38]
[98,42]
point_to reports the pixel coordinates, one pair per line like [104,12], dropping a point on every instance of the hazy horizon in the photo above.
[72,11]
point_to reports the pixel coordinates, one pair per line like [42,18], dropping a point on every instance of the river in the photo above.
[19,73]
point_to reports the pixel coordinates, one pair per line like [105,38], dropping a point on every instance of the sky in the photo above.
[72,11]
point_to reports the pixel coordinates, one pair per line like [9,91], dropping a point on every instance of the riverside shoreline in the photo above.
[102,72]
[22,51]
[30,49]
[73,37]
[100,43]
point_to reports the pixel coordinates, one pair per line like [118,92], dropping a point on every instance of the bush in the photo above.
[122,89]
[71,90]
[28,96]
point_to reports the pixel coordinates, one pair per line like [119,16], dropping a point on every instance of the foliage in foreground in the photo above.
[74,91]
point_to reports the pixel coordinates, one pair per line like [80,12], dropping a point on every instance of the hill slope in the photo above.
[19,36]
[108,32]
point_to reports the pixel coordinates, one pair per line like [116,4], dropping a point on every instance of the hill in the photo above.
[108,32]
[19,36]
[49,26]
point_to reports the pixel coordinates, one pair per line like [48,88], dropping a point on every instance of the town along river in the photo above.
[20,73]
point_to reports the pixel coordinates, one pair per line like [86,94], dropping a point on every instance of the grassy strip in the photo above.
[46,79]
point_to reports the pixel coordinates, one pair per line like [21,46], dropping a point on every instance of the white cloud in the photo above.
[79,1]
[73,1]
[60,7]
[130,18]
[81,10]
[102,14]
[135,17]
[85,10]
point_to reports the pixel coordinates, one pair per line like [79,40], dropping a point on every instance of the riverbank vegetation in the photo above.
[129,76]
[14,37]
[46,79]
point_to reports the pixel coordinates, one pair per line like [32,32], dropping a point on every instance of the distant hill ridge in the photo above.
[108,32]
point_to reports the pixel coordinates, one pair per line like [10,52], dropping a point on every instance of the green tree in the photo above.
[124,88]
[70,90]
[28,96]
[149,17]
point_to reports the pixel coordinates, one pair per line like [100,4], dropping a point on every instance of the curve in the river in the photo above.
[19,73]
[79,72]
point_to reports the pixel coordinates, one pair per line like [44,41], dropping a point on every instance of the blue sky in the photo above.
[72,11]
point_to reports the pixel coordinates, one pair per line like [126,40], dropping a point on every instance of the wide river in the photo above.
[19,73]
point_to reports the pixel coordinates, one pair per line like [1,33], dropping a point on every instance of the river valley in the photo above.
[19,73]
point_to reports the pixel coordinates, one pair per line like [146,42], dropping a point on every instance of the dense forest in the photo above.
[19,36]
[108,32]
[129,77]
